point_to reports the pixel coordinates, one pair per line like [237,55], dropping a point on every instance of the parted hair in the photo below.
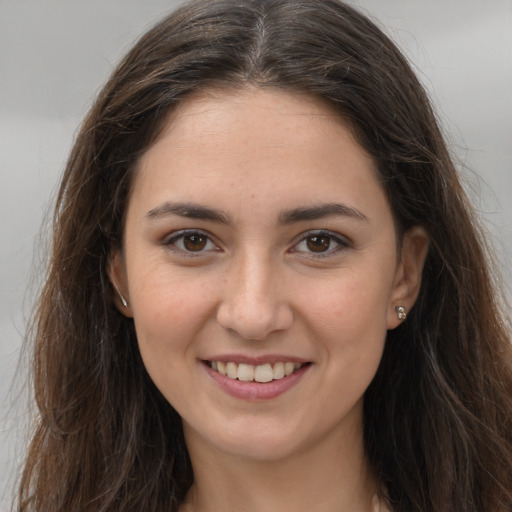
[438,414]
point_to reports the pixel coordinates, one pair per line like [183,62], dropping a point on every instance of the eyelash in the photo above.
[180,238]
[340,241]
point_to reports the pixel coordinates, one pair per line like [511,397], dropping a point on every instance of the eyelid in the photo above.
[342,243]
[170,240]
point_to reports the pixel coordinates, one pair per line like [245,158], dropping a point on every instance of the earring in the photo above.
[401,312]
[124,302]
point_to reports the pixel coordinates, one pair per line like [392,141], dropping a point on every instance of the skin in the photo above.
[259,284]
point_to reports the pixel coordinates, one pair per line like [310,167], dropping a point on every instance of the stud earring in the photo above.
[401,312]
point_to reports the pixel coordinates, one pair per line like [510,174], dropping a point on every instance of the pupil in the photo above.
[318,243]
[194,242]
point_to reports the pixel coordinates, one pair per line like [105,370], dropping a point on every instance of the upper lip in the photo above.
[256,360]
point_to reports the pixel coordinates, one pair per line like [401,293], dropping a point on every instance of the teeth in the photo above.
[221,367]
[278,370]
[231,370]
[245,372]
[261,373]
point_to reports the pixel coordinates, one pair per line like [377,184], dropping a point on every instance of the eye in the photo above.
[321,243]
[190,242]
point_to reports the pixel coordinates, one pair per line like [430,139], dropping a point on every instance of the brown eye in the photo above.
[321,244]
[191,243]
[318,243]
[196,242]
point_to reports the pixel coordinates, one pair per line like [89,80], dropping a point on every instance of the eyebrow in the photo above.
[190,211]
[195,211]
[321,211]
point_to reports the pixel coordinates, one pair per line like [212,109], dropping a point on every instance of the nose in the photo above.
[254,301]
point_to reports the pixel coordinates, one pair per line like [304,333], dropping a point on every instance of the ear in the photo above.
[407,283]
[117,275]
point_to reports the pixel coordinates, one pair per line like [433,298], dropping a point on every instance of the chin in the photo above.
[260,449]
[258,441]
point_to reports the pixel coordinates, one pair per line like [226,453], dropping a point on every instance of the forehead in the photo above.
[254,154]
[254,130]
[261,103]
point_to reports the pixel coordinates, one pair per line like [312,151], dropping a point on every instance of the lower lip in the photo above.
[257,390]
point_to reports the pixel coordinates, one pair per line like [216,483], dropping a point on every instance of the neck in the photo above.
[332,476]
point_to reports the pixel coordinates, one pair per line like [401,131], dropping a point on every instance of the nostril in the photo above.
[255,322]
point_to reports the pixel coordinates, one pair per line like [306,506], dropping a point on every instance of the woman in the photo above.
[267,288]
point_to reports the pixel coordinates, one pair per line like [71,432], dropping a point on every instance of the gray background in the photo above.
[54,55]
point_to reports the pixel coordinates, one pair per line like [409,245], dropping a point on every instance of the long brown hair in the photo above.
[438,415]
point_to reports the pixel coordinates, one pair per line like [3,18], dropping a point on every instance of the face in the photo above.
[261,269]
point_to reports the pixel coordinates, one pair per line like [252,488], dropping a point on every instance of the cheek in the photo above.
[356,301]
[168,313]
[350,318]
[168,320]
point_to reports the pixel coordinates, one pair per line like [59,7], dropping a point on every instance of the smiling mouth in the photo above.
[249,373]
